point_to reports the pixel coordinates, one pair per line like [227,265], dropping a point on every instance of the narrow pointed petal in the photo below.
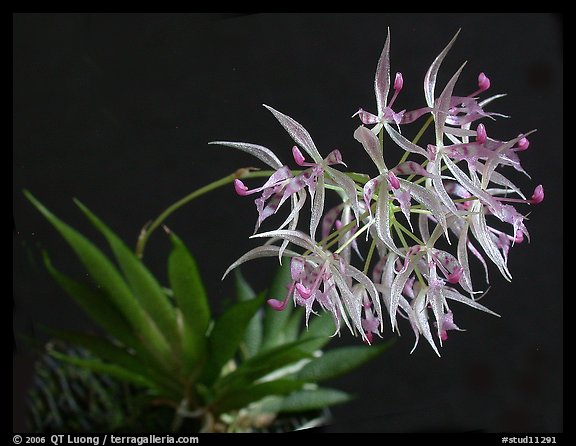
[262,153]
[382,79]
[368,192]
[361,278]
[436,300]
[296,237]
[347,185]
[443,106]
[482,234]
[398,285]
[435,169]
[421,319]
[404,143]
[317,207]
[372,146]
[462,252]
[452,294]
[429,200]
[298,133]
[260,251]
[473,188]
[432,73]
[382,218]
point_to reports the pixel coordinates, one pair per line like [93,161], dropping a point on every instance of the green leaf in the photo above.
[254,332]
[243,289]
[256,392]
[142,282]
[340,361]
[116,355]
[105,274]
[191,298]
[109,369]
[96,304]
[228,332]
[321,328]
[274,321]
[264,363]
[313,399]
[292,327]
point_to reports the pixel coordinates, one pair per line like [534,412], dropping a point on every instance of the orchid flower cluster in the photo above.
[449,189]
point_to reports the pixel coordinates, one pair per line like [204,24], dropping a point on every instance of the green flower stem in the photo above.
[354,237]
[369,257]
[149,228]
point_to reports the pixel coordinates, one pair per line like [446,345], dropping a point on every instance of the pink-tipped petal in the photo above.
[240,188]
[519,238]
[538,195]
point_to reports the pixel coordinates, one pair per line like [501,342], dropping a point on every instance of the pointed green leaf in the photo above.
[228,332]
[274,321]
[121,357]
[191,298]
[105,274]
[313,399]
[254,332]
[109,369]
[256,392]
[243,289]
[340,361]
[142,282]
[321,328]
[264,363]
[96,304]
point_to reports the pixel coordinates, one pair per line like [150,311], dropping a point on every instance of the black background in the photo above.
[117,110]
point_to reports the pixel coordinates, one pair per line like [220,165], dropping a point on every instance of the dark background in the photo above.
[117,110]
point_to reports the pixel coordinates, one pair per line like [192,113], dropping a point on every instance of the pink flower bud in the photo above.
[398,82]
[522,144]
[298,157]
[481,135]
[276,304]
[538,195]
[240,188]
[483,82]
